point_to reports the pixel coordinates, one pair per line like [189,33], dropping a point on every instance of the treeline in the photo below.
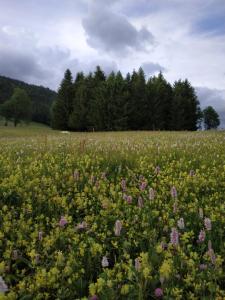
[41,97]
[97,102]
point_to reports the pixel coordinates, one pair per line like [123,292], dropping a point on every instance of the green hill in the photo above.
[40,96]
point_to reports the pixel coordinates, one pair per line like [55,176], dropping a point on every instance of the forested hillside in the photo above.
[40,96]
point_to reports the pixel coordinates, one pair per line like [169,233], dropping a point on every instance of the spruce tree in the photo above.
[97,116]
[110,100]
[137,101]
[210,118]
[116,103]
[63,106]
[185,107]
[159,94]
[78,117]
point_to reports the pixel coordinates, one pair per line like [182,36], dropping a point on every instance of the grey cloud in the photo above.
[151,68]
[112,32]
[28,61]
[19,65]
[40,67]
[213,97]
[89,66]
[107,66]
[38,64]
[53,56]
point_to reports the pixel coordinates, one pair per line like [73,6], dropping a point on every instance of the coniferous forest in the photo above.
[97,102]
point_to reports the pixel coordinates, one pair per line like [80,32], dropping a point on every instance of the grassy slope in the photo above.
[23,130]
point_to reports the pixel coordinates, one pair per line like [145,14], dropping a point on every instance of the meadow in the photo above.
[127,215]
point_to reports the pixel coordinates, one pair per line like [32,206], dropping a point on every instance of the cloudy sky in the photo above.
[39,39]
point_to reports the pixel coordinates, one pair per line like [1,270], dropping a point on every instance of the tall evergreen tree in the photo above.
[116,104]
[63,106]
[137,101]
[159,94]
[110,102]
[210,118]
[78,117]
[185,107]
[97,115]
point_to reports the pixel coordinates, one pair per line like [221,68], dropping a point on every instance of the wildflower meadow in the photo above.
[127,215]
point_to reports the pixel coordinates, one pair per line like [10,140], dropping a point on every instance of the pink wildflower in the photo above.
[141,177]
[208,224]
[161,279]
[123,185]
[174,237]
[37,258]
[124,197]
[157,170]
[81,226]
[15,255]
[97,184]
[192,173]
[200,213]
[3,286]
[164,246]
[105,262]
[209,244]
[94,298]
[202,267]
[76,175]
[173,192]
[40,235]
[103,175]
[93,179]
[62,221]
[158,292]
[140,202]
[212,256]
[129,199]
[137,264]
[180,223]
[118,227]
[175,207]
[143,185]
[211,252]
[151,194]
[201,236]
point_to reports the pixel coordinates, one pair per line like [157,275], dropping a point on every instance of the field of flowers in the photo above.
[112,216]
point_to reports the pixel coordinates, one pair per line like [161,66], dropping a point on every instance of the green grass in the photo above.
[23,130]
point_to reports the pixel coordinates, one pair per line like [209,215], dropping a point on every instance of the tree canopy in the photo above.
[210,118]
[100,102]
[18,108]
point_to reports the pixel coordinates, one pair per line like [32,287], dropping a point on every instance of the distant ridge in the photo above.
[40,96]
